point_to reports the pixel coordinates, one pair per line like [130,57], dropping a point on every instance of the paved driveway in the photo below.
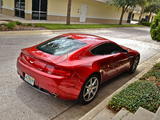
[20,102]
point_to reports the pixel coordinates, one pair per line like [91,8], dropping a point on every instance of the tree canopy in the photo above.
[124,4]
[154,8]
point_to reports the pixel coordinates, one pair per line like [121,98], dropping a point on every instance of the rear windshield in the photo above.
[61,45]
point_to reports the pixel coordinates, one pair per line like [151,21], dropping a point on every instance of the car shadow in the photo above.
[41,103]
[52,107]
[115,83]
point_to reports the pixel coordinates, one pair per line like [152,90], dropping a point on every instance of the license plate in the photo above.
[29,79]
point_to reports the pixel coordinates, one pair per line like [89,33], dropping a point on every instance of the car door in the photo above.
[121,57]
[123,62]
[114,61]
[109,66]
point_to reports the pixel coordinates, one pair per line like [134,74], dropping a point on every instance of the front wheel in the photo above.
[134,64]
[89,89]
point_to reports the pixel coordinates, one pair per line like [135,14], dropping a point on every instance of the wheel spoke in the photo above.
[89,95]
[87,92]
[95,87]
[94,82]
[91,80]
[87,87]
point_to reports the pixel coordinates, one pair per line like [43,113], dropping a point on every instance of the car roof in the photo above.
[87,38]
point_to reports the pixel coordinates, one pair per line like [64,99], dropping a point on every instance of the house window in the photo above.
[20,8]
[39,9]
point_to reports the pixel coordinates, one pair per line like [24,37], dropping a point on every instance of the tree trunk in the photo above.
[150,14]
[68,20]
[140,17]
[122,14]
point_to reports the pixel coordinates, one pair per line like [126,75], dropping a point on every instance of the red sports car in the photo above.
[72,66]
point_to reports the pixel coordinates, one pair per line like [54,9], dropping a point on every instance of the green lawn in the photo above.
[81,26]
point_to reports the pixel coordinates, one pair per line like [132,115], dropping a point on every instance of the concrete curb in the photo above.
[52,31]
[146,66]
[34,32]
[24,32]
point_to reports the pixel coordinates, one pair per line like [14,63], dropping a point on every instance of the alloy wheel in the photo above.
[90,89]
[135,64]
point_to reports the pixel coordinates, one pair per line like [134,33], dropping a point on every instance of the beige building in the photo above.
[90,11]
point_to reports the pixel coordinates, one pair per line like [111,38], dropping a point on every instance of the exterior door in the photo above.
[20,8]
[39,9]
[83,13]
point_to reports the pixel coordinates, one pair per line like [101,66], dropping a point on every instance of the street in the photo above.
[18,101]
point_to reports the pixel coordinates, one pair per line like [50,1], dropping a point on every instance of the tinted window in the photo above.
[61,45]
[107,48]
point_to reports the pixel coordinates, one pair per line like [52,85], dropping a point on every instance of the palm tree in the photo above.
[69,6]
[124,5]
[153,8]
[143,4]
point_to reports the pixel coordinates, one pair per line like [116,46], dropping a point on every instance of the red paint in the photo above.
[65,75]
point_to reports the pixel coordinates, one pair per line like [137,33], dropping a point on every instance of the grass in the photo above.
[153,75]
[139,94]
[81,26]
[143,93]
[13,24]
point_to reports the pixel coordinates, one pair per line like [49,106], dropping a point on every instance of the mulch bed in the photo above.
[20,28]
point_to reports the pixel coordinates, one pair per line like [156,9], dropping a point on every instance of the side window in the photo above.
[106,49]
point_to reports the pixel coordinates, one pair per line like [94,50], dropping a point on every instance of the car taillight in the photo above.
[21,55]
[56,71]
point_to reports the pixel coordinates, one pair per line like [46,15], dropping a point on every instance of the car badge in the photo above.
[31,62]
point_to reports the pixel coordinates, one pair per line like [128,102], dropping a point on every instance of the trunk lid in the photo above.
[39,59]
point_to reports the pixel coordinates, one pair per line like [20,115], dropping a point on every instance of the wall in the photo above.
[8,7]
[28,9]
[98,12]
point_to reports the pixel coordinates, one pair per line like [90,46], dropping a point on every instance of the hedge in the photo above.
[155,28]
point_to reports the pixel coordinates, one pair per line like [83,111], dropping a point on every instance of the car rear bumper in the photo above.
[62,87]
[39,89]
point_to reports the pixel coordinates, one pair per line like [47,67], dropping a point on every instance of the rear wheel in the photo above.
[89,90]
[134,64]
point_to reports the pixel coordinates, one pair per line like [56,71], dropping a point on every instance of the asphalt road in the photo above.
[18,101]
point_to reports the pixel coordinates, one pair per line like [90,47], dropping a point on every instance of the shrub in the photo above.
[139,94]
[29,24]
[11,25]
[18,23]
[146,23]
[155,28]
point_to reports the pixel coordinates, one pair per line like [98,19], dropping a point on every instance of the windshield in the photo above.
[61,45]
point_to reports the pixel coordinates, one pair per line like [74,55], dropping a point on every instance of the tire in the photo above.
[134,64]
[89,90]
